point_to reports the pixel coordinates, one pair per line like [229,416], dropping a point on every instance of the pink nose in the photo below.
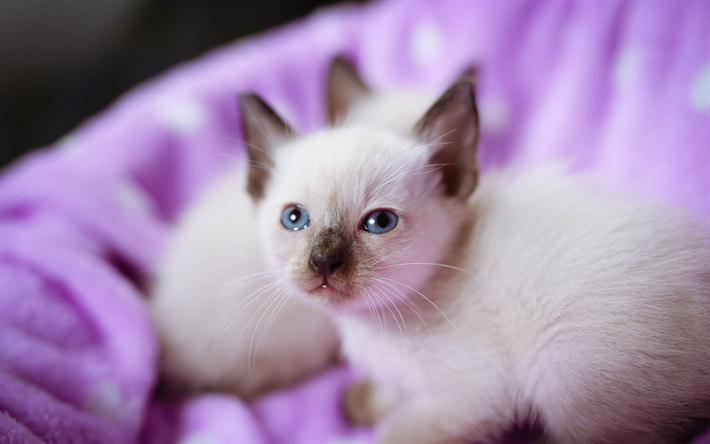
[325,265]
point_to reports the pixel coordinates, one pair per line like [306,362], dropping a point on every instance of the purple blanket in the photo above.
[619,90]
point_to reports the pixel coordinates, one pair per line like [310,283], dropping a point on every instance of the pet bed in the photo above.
[617,90]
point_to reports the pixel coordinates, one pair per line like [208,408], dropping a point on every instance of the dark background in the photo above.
[63,60]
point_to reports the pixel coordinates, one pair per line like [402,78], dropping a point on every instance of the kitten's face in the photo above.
[357,216]
[376,213]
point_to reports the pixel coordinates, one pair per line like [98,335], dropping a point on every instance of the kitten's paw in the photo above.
[363,403]
[356,404]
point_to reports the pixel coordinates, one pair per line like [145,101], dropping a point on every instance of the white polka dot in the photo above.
[105,399]
[427,43]
[201,438]
[183,116]
[345,440]
[699,92]
[132,198]
[626,67]
[495,114]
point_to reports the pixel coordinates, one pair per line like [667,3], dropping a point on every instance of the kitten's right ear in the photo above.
[345,87]
[262,130]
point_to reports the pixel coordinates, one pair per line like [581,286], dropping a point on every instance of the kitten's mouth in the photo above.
[329,292]
[325,285]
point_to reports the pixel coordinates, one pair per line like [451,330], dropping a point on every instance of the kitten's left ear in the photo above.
[345,87]
[451,127]
[470,73]
[263,130]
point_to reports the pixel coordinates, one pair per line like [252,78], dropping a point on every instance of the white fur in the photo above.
[581,310]
[211,315]
[586,312]
[538,299]
[394,110]
[213,300]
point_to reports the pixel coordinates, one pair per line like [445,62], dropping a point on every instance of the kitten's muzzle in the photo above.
[326,265]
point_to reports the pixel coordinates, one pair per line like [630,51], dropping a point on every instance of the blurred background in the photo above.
[62,61]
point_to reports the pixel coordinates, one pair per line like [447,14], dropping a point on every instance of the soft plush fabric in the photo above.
[618,90]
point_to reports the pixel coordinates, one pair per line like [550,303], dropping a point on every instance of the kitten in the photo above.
[224,317]
[475,305]
[472,306]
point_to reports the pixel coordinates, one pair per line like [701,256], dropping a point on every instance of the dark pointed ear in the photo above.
[451,127]
[262,130]
[470,74]
[345,87]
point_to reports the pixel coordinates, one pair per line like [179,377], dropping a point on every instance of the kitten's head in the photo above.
[354,213]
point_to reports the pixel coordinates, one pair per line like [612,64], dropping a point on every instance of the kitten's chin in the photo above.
[330,296]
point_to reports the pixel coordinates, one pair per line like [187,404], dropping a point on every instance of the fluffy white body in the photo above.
[527,296]
[585,312]
[216,293]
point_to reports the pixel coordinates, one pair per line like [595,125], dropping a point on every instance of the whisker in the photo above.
[416,148]
[404,324]
[231,289]
[220,340]
[254,314]
[250,298]
[403,299]
[426,263]
[377,312]
[264,274]
[379,260]
[283,299]
[275,296]
[411,173]
[426,298]
[404,295]
[249,248]
[253,296]
[372,315]
[416,168]
[391,312]
[256,164]
[206,256]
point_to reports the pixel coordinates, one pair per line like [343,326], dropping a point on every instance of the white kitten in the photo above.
[225,318]
[527,297]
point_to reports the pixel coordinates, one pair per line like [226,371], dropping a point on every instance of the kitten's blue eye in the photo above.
[295,218]
[380,221]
